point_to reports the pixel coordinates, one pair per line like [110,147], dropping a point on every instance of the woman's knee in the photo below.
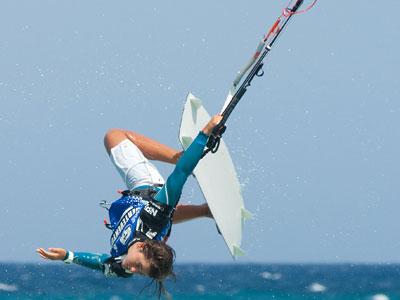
[113,137]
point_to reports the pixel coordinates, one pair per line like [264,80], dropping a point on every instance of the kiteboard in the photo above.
[216,176]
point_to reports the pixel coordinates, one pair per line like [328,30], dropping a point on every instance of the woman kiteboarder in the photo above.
[141,219]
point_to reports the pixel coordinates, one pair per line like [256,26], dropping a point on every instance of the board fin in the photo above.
[186,141]
[246,215]
[237,251]
[195,102]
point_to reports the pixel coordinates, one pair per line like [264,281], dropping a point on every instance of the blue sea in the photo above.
[207,281]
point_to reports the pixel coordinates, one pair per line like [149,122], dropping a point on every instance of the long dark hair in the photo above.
[161,258]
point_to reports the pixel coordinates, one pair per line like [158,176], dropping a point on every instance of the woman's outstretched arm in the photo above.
[90,260]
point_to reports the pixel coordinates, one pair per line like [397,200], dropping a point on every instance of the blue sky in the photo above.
[315,141]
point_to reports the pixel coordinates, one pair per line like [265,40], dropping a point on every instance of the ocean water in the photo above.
[207,281]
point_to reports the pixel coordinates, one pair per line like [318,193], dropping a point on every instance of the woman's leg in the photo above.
[187,212]
[150,148]
[154,150]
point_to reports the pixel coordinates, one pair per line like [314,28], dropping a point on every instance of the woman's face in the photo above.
[135,261]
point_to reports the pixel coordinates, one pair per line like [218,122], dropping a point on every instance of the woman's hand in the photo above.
[52,253]
[211,124]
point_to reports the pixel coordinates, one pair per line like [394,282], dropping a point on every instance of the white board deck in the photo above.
[217,178]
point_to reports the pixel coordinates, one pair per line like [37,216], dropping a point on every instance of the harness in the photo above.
[151,223]
[153,218]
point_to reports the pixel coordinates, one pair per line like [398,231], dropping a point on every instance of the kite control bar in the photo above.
[253,68]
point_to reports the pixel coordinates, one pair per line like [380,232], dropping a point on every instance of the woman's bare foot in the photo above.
[207,211]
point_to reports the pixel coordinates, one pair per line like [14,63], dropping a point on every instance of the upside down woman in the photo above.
[141,219]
